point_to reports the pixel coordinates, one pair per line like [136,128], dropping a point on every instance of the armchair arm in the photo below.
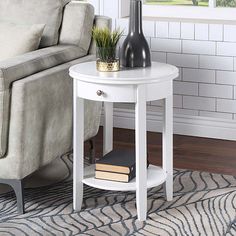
[101,22]
[30,63]
[40,127]
[25,66]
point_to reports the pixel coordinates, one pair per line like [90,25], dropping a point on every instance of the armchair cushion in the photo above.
[48,12]
[19,39]
[24,66]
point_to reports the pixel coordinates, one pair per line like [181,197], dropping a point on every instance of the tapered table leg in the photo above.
[167,143]
[78,143]
[141,153]
[108,128]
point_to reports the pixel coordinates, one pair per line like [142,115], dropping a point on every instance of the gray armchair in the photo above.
[36,91]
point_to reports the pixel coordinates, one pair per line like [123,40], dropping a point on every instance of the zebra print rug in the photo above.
[204,204]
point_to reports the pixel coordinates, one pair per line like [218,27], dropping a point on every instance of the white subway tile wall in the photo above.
[205,53]
[166,45]
[183,60]
[215,32]
[199,75]
[206,56]
[187,30]
[226,77]
[186,88]
[226,105]
[159,56]
[123,25]
[216,62]
[174,30]
[199,47]
[177,101]
[199,103]
[110,9]
[201,31]
[162,29]
[149,28]
[230,33]
[216,90]
[226,49]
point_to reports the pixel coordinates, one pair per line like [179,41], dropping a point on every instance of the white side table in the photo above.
[133,86]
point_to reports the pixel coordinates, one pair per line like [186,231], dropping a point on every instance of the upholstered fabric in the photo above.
[23,66]
[48,12]
[33,62]
[19,39]
[101,22]
[36,98]
[41,120]
[77,25]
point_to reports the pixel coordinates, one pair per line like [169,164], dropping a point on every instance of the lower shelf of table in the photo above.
[155,177]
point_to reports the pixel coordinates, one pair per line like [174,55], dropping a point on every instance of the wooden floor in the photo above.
[211,155]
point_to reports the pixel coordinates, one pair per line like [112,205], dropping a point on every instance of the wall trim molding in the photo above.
[183,124]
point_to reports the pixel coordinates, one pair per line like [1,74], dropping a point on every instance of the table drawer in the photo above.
[106,93]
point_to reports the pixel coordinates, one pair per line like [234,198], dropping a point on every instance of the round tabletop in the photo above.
[158,72]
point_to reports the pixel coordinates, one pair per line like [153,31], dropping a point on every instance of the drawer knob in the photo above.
[100,93]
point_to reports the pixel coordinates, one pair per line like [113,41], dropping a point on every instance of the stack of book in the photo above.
[118,165]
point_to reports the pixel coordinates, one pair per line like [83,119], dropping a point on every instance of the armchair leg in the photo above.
[92,151]
[18,188]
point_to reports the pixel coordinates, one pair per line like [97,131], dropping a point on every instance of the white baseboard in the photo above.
[183,124]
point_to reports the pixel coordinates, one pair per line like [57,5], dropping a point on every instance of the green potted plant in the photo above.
[106,43]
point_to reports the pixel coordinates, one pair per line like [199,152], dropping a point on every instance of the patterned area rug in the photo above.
[204,204]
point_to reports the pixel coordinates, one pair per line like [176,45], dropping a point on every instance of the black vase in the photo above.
[135,51]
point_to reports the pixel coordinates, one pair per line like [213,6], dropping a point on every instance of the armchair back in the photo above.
[77,25]
[48,12]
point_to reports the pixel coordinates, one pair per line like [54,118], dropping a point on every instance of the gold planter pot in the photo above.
[108,66]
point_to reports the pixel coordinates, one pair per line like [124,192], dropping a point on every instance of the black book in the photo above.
[117,161]
[118,165]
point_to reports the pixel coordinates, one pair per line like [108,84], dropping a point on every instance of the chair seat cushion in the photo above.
[23,66]
[48,12]
[18,39]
